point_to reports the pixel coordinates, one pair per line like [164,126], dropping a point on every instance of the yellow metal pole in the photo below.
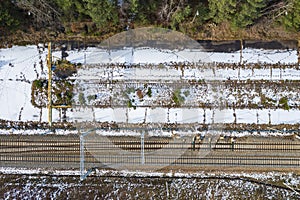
[49,63]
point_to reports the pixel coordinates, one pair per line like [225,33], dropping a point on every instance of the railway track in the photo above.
[52,160]
[10,146]
[52,152]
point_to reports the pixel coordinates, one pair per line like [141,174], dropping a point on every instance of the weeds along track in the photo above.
[64,129]
[251,94]
[199,65]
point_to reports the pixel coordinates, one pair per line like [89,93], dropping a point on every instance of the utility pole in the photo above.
[49,64]
[82,170]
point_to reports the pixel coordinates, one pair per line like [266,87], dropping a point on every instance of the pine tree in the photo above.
[291,19]
[134,7]
[71,10]
[8,17]
[247,12]
[147,11]
[221,10]
[103,13]
[179,16]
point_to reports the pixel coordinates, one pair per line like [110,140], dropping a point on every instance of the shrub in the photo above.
[81,99]
[149,92]
[39,83]
[177,98]
[91,97]
[283,102]
[186,93]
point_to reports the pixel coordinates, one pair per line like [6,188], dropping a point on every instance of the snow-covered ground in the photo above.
[20,65]
[185,115]
[126,173]
[156,56]
[104,184]
[168,73]
[151,133]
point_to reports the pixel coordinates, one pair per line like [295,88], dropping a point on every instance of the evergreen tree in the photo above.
[247,12]
[72,10]
[221,10]
[103,13]
[179,16]
[203,12]
[291,17]
[134,7]
[6,20]
[8,16]
[148,11]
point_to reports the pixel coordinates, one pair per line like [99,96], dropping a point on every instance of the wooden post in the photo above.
[204,116]
[234,115]
[271,72]
[232,144]
[241,58]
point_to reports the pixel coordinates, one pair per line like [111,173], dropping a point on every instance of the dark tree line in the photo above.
[96,16]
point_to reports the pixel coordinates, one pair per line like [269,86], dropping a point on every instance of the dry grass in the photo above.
[261,31]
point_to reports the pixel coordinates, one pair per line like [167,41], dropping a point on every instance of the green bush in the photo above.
[81,99]
[130,105]
[91,97]
[186,93]
[177,98]
[149,92]
[38,83]
[283,102]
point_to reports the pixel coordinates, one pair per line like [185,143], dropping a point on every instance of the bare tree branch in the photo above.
[277,10]
[168,8]
[40,9]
